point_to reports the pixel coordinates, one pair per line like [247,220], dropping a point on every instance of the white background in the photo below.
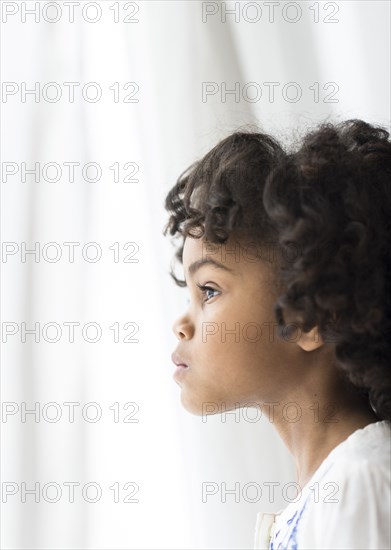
[171,52]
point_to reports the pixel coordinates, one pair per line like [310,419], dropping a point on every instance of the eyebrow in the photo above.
[195,266]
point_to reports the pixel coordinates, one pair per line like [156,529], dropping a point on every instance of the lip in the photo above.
[178,361]
[181,367]
[180,371]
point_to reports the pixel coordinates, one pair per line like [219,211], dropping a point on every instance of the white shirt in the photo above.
[345,505]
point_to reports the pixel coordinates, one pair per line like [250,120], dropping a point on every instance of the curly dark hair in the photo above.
[222,194]
[330,198]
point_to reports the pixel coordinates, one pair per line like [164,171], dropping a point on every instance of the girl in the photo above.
[296,244]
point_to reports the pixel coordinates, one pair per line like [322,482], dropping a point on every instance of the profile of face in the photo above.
[228,335]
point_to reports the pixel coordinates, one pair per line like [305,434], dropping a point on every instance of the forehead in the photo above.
[195,249]
[228,254]
[241,258]
[192,249]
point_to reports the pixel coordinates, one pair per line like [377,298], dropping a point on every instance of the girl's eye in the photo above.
[205,289]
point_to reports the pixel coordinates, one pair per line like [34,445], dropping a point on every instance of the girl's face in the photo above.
[228,334]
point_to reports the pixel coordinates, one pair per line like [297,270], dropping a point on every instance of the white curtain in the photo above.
[320,59]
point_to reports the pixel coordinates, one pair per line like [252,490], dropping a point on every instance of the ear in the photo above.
[310,341]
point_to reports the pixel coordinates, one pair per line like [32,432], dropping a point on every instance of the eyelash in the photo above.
[204,288]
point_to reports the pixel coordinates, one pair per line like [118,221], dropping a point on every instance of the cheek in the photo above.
[232,338]
[240,321]
[245,334]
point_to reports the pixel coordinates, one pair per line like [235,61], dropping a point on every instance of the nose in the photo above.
[182,328]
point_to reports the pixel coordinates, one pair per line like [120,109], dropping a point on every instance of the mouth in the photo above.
[179,373]
[180,364]
[181,368]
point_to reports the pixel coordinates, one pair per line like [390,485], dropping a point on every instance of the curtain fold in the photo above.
[143,446]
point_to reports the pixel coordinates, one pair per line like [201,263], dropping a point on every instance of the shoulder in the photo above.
[364,458]
[350,505]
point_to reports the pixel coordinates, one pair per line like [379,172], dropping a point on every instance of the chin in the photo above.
[191,406]
[201,407]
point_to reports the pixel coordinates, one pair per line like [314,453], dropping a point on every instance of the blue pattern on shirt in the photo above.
[290,539]
[290,533]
